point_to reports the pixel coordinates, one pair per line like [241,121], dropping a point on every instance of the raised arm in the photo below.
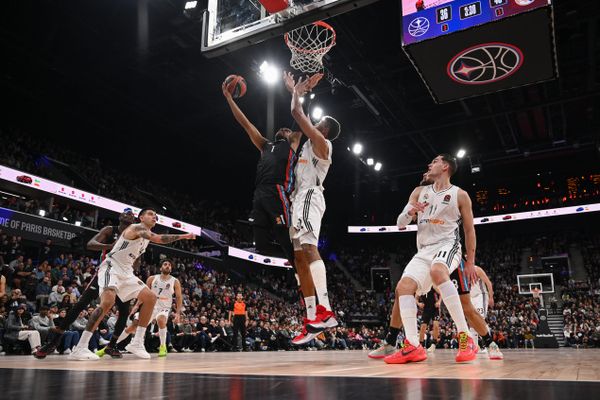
[140,230]
[318,140]
[97,243]
[466,212]
[255,136]
[488,283]
[149,281]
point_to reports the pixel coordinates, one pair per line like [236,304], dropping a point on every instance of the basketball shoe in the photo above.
[494,352]
[304,336]
[408,353]
[382,351]
[83,354]
[467,350]
[137,348]
[109,351]
[162,351]
[325,319]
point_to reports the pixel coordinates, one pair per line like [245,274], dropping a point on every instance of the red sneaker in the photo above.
[304,336]
[408,353]
[466,348]
[325,319]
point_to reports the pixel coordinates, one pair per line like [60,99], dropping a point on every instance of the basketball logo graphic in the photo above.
[418,26]
[485,63]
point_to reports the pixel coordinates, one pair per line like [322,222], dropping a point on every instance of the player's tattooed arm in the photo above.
[146,233]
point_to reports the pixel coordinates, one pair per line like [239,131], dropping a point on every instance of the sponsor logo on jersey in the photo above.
[433,221]
[447,199]
[303,161]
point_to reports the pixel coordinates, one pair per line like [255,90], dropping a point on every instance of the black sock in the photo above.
[487,340]
[392,336]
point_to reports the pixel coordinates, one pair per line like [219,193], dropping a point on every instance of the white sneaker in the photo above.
[103,341]
[203,350]
[137,349]
[83,354]
[67,352]
[494,352]
[483,350]
[431,348]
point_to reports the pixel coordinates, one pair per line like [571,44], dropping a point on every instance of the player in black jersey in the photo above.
[103,241]
[430,303]
[271,207]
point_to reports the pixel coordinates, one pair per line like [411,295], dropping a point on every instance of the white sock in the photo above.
[474,335]
[311,307]
[317,270]
[297,279]
[84,340]
[408,312]
[124,335]
[140,332]
[162,333]
[452,303]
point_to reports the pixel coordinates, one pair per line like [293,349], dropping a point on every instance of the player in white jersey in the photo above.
[308,207]
[116,278]
[164,286]
[440,209]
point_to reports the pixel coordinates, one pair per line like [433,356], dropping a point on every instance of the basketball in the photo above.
[236,85]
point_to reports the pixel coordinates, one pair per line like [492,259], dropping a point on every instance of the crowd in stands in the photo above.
[581,313]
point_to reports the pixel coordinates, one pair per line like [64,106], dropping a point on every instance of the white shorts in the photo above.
[480,302]
[419,268]
[127,285]
[157,312]
[307,212]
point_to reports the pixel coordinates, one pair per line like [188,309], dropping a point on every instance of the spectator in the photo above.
[42,291]
[70,337]
[43,324]
[18,330]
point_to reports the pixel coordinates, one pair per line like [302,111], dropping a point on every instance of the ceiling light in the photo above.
[269,73]
[357,148]
[317,113]
[378,166]
[461,153]
[370,161]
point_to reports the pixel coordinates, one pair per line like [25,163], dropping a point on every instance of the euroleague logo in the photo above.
[485,63]
[418,27]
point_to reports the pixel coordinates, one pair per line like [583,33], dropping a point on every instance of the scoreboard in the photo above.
[423,19]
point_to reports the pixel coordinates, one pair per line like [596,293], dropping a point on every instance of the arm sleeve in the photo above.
[404,219]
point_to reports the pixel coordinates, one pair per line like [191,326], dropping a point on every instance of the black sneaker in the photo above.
[114,353]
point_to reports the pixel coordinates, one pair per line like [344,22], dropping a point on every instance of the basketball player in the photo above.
[431,312]
[164,286]
[308,207]
[439,209]
[275,181]
[103,241]
[116,278]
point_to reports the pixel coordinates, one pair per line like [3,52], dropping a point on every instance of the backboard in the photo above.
[230,25]
[543,282]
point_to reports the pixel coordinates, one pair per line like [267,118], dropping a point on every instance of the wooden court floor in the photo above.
[523,374]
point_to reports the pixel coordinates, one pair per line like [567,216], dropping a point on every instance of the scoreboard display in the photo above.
[428,19]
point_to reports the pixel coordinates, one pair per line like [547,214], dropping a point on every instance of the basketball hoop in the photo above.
[309,44]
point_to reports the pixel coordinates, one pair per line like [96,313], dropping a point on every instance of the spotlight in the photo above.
[312,96]
[65,219]
[77,223]
[192,11]
[475,169]
[190,4]
[42,213]
[461,153]
[370,161]
[302,100]
[269,73]
[378,166]
[317,113]
[357,148]
[164,208]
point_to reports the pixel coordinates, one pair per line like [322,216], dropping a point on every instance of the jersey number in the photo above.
[160,291]
[441,254]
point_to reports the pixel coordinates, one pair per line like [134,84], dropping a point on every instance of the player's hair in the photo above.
[333,126]
[143,210]
[166,260]
[451,161]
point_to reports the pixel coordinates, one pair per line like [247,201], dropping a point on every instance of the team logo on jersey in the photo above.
[168,286]
[278,221]
[426,196]
[447,199]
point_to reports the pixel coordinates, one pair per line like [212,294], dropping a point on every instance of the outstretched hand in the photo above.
[226,92]
[289,81]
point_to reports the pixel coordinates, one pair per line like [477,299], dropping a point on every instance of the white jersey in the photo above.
[164,291]
[478,288]
[441,220]
[311,170]
[125,252]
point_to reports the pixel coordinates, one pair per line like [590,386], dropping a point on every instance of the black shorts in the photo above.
[270,207]
[430,311]
[460,280]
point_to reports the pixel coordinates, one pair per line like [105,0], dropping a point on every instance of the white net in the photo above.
[309,44]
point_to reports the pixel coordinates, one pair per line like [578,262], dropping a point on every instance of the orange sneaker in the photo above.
[408,353]
[466,348]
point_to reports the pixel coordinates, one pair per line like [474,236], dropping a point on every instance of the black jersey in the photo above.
[429,300]
[276,165]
